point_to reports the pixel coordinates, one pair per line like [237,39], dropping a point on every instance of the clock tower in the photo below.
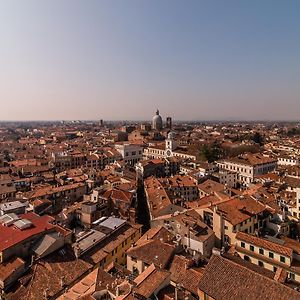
[170,144]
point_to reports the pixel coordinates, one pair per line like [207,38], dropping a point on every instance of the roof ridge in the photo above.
[251,271]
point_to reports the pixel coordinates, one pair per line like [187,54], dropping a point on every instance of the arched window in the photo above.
[247,258]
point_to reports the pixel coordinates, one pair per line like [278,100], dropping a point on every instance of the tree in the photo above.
[209,153]
[258,139]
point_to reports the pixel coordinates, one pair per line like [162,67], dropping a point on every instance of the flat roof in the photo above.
[12,205]
[113,223]
[88,241]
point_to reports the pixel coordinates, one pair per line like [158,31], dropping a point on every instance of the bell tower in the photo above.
[170,143]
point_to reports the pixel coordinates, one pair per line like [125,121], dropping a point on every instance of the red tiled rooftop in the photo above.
[11,235]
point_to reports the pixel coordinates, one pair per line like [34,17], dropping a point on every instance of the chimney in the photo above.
[280,275]
[176,293]
[62,281]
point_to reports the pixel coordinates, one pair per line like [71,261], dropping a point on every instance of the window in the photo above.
[282,259]
[251,248]
[242,244]
[271,254]
[260,263]
[274,269]
[247,258]
[292,276]
[261,251]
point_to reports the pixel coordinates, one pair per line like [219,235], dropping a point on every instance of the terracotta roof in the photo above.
[50,190]
[185,276]
[50,272]
[8,268]
[148,282]
[10,236]
[263,243]
[153,251]
[251,159]
[207,201]
[157,233]
[178,181]
[290,243]
[238,210]
[210,186]
[83,287]
[118,195]
[256,268]
[224,279]
[158,198]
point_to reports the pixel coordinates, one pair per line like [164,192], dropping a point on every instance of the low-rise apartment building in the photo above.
[182,186]
[190,232]
[131,153]
[228,217]
[158,201]
[270,253]
[108,241]
[19,234]
[249,166]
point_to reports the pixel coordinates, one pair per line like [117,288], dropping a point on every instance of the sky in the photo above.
[123,59]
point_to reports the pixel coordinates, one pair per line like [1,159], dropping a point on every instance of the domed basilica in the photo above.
[157,122]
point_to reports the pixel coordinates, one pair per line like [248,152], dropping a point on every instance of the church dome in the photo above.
[157,122]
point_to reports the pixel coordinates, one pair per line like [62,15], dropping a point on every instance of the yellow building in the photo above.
[231,216]
[271,253]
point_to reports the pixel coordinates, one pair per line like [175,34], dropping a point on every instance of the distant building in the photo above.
[228,178]
[169,123]
[146,127]
[288,160]
[249,166]
[131,153]
[157,123]
[170,149]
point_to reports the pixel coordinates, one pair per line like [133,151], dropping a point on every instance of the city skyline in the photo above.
[197,61]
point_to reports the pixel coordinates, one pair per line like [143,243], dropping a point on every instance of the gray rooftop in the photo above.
[88,241]
[113,223]
[12,205]
[23,224]
[8,219]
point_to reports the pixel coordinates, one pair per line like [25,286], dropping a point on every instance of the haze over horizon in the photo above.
[120,60]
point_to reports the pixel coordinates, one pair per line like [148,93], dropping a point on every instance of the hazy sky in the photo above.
[122,59]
